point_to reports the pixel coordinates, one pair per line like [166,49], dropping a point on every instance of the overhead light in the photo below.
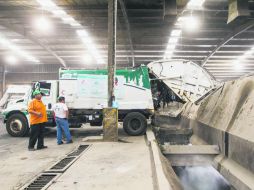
[46,3]
[42,24]
[75,23]
[168,55]
[68,19]
[7,44]
[50,6]
[173,40]
[248,53]
[171,47]
[87,58]
[10,59]
[195,4]
[190,23]
[82,33]
[238,66]
[176,33]
[100,61]
[59,13]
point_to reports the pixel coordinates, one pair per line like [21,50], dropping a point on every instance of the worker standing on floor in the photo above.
[61,116]
[38,118]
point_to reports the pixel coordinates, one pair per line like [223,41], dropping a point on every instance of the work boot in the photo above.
[38,148]
[31,149]
[69,142]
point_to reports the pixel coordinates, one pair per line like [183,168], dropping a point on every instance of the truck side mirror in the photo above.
[49,106]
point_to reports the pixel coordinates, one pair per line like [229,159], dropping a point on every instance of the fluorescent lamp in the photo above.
[87,58]
[100,61]
[42,24]
[75,23]
[169,53]
[176,33]
[11,59]
[195,4]
[248,53]
[7,44]
[191,23]
[82,33]
[171,47]
[238,66]
[46,3]
[173,40]
[50,6]
[87,41]
[68,19]
[59,13]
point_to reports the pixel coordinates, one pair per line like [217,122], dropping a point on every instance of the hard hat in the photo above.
[36,92]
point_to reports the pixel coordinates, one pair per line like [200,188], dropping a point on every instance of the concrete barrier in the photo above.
[226,118]
[165,177]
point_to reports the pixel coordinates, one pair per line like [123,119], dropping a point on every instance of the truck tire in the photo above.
[96,123]
[17,126]
[135,124]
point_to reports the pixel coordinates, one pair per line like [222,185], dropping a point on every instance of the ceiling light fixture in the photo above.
[176,33]
[238,66]
[87,58]
[7,44]
[59,13]
[189,23]
[42,24]
[50,6]
[240,59]
[82,33]
[46,3]
[195,4]
[10,59]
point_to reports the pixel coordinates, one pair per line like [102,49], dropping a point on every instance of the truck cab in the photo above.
[14,111]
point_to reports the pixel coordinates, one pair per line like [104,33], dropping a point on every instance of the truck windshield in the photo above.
[44,87]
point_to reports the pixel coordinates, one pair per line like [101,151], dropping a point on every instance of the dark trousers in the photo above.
[36,133]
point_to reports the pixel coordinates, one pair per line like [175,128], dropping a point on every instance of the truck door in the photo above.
[49,92]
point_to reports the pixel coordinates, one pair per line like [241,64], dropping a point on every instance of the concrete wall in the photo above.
[226,119]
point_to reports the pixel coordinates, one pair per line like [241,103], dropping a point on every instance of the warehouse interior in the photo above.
[143,35]
[200,126]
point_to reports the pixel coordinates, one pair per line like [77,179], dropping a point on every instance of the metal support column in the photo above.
[110,115]
[112,19]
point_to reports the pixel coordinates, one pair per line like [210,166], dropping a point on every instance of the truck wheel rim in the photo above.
[16,126]
[135,124]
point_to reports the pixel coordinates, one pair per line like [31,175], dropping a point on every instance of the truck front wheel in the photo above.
[135,124]
[17,126]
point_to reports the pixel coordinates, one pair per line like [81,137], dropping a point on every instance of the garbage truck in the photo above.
[85,92]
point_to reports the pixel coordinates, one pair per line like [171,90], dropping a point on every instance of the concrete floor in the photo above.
[107,165]
[102,166]
[19,166]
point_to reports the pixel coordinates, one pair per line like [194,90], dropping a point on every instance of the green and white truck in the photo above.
[85,92]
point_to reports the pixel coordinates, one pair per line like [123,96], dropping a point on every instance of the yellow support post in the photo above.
[110,124]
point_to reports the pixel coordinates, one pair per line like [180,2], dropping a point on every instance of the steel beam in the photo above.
[229,37]
[112,20]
